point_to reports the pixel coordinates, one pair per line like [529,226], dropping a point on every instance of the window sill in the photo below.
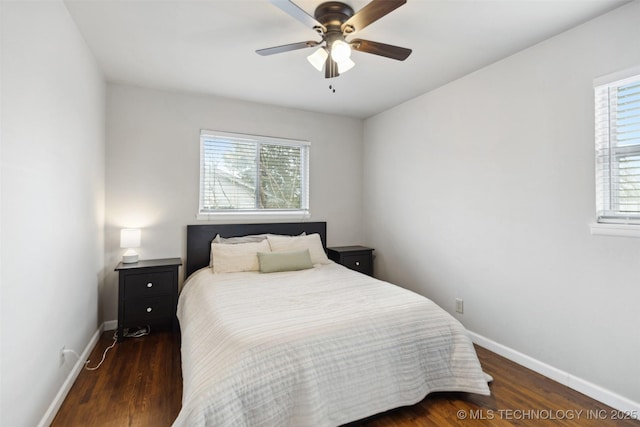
[252,216]
[617,230]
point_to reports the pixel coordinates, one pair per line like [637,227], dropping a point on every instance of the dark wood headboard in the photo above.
[199,237]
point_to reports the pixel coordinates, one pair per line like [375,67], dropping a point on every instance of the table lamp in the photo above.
[129,239]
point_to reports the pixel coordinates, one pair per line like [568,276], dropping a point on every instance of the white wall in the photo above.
[52,206]
[484,189]
[152,167]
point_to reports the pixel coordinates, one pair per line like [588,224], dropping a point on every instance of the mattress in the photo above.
[318,347]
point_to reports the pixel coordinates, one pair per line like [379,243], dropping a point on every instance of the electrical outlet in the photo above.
[459,305]
[62,360]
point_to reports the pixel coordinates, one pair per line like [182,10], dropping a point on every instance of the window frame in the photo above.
[610,219]
[263,214]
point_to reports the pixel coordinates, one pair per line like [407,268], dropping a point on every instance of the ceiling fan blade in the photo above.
[330,68]
[298,13]
[377,48]
[286,48]
[373,11]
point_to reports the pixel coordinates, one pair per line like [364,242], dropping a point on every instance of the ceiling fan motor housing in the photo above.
[333,13]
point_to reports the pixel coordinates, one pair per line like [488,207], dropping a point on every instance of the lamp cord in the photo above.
[139,333]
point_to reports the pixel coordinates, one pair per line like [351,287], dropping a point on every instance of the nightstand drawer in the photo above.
[146,309]
[148,284]
[361,263]
[358,258]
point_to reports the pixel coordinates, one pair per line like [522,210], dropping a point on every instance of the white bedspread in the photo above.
[319,347]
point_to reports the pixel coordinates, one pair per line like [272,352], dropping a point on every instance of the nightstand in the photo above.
[358,258]
[147,293]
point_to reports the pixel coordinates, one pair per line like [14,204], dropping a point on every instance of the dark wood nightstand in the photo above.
[147,293]
[358,258]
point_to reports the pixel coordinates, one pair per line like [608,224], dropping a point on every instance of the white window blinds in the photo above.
[246,173]
[617,117]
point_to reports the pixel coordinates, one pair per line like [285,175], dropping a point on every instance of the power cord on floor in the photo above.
[86,364]
[136,334]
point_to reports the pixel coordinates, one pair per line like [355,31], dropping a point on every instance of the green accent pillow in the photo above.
[271,262]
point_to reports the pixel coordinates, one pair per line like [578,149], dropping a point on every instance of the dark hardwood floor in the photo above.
[140,384]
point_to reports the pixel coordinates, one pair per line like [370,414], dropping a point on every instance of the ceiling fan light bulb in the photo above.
[345,65]
[340,51]
[318,58]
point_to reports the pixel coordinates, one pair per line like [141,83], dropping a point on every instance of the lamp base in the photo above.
[130,256]
[130,259]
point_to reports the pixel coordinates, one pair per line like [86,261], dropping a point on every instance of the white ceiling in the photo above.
[208,46]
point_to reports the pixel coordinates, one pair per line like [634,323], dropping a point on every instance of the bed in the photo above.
[319,346]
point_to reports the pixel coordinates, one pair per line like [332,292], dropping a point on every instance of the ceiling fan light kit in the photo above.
[345,65]
[340,51]
[334,21]
[318,58]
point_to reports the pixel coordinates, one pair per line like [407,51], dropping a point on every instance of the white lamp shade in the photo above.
[345,65]
[340,51]
[130,238]
[318,58]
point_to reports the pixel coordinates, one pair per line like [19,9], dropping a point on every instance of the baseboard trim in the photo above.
[590,389]
[110,325]
[48,417]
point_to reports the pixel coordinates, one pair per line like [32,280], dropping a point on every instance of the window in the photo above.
[253,174]
[617,116]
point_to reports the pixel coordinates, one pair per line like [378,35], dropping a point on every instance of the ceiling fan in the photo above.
[334,21]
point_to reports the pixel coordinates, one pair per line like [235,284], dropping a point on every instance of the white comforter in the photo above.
[319,347]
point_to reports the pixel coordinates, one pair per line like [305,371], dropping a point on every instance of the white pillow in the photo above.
[251,238]
[234,240]
[230,258]
[300,243]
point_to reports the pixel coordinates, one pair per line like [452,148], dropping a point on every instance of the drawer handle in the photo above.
[149,309]
[357,263]
[149,285]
